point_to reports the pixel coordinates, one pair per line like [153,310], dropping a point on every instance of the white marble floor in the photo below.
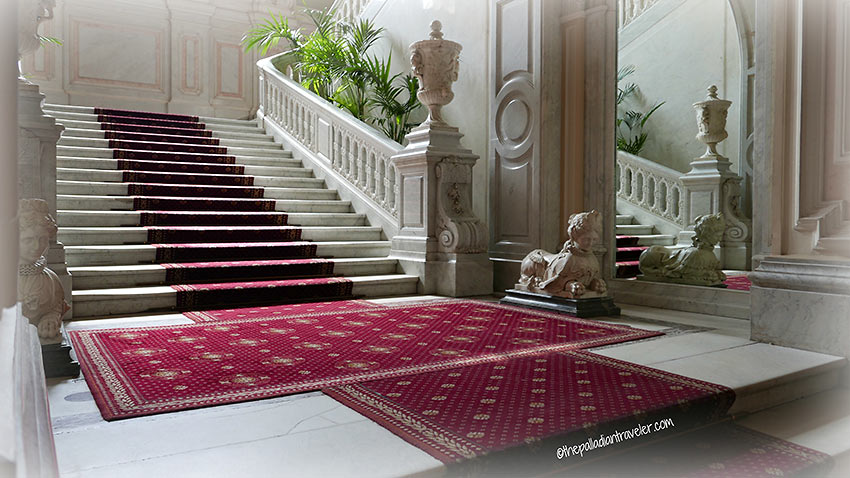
[309,434]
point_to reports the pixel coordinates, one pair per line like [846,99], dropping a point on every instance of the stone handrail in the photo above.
[356,152]
[348,10]
[628,10]
[651,186]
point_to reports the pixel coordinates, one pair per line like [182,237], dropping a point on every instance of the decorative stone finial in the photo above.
[711,121]
[436,30]
[435,64]
[31,13]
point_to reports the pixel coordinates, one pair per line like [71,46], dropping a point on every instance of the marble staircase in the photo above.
[632,239]
[106,246]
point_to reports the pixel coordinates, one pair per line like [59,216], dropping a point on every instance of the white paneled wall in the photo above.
[180,56]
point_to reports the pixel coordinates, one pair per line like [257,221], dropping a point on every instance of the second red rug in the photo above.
[141,371]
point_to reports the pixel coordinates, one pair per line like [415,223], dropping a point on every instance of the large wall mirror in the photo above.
[671,55]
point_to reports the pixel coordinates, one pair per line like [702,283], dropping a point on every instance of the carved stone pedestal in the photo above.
[582,308]
[441,239]
[57,359]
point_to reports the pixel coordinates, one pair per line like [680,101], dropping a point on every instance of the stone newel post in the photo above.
[711,187]
[440,238]
[38,134]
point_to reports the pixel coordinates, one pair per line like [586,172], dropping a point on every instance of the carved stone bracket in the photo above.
[458,230]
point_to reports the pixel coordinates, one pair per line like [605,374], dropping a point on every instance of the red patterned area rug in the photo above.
[286,310]
[531,406]
[738,283]
[723,450]
[142,371]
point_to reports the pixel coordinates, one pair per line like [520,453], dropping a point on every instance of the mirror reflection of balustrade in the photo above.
[628,10]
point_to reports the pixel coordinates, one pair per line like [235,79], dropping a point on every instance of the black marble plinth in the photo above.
[592,307]
[57,360]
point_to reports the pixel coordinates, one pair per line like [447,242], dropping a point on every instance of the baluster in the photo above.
[379,180]
[633,194]
[670,207]
[370,174]
[361,168]
[346,157]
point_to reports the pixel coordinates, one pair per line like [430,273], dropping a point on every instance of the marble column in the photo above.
[26,437]
[440,238]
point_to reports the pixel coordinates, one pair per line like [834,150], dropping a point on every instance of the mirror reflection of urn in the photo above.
[711,120]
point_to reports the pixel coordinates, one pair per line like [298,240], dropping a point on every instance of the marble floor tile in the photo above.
[150,436]
[137,321]
[820,422]
[664,349]
[360,449]
[750,366]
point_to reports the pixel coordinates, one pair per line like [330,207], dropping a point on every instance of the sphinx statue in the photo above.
[695,265]
[39,290]
[573,272]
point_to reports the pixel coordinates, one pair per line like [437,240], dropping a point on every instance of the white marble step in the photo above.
[90,111]
[315,204]
[74,118]
[264,149]
[116,176]
[102,277]
[120,189]
[78,236]
[255,141]
[88,218]
[94,303]
[280,169]
[625,219]
[92,255]
[635,229]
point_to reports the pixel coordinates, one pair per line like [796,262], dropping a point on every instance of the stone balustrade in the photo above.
[628,10]
[651,186]
[354,150]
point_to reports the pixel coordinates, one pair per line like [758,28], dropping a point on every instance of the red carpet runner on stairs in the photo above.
[222,243]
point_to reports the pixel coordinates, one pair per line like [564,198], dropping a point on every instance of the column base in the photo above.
[57,359]
[582,308]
